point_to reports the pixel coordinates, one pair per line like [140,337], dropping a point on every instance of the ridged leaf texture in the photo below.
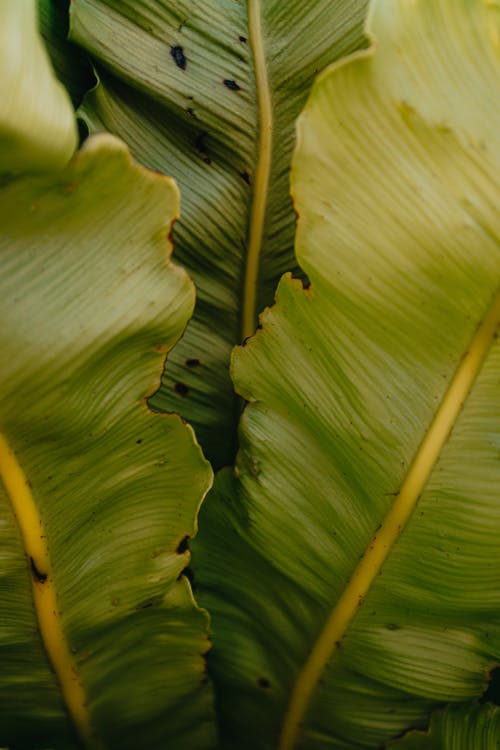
[210,92]
[460,727]
[102,643]
[351,564]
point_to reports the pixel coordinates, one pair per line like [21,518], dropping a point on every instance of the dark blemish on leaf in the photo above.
[190,111]
[183,545]
[231,85]
[201,146]
[178,57]
[155,601]
[138,442]
[193,362]
[37,575]
[254,467]
[242,39]
[393,626]
[181,389]
[245,176]
[263,683]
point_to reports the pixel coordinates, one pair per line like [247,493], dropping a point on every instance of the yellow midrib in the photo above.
[380,545]
[262,172]
[44,592]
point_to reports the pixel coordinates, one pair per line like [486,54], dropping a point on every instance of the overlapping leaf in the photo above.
[209,92]
[71,64]
[374,399]
[37,124]
[99,633]
[459,727]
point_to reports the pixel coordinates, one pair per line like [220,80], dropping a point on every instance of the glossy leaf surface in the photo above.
[351,566]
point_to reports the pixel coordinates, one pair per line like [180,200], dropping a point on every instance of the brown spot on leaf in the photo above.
[231,85]
[38,576]
[178,57]
[182,389]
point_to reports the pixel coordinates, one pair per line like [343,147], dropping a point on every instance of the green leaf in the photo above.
[351,566]
[459,727]
[37,122]
[99,636]
[71,64]
[210,92]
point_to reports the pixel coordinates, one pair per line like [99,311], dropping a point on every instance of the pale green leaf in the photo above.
[374,403]
[461,727]
[37,122]
[90,304]
[209,92]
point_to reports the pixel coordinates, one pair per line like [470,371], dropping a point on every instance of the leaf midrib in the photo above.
[262,172]
[34,540]
[381,543]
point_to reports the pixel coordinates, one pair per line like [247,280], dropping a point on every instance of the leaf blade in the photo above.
[398,233]
[188,122]
[91,306]
[457,727]
[37,122]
